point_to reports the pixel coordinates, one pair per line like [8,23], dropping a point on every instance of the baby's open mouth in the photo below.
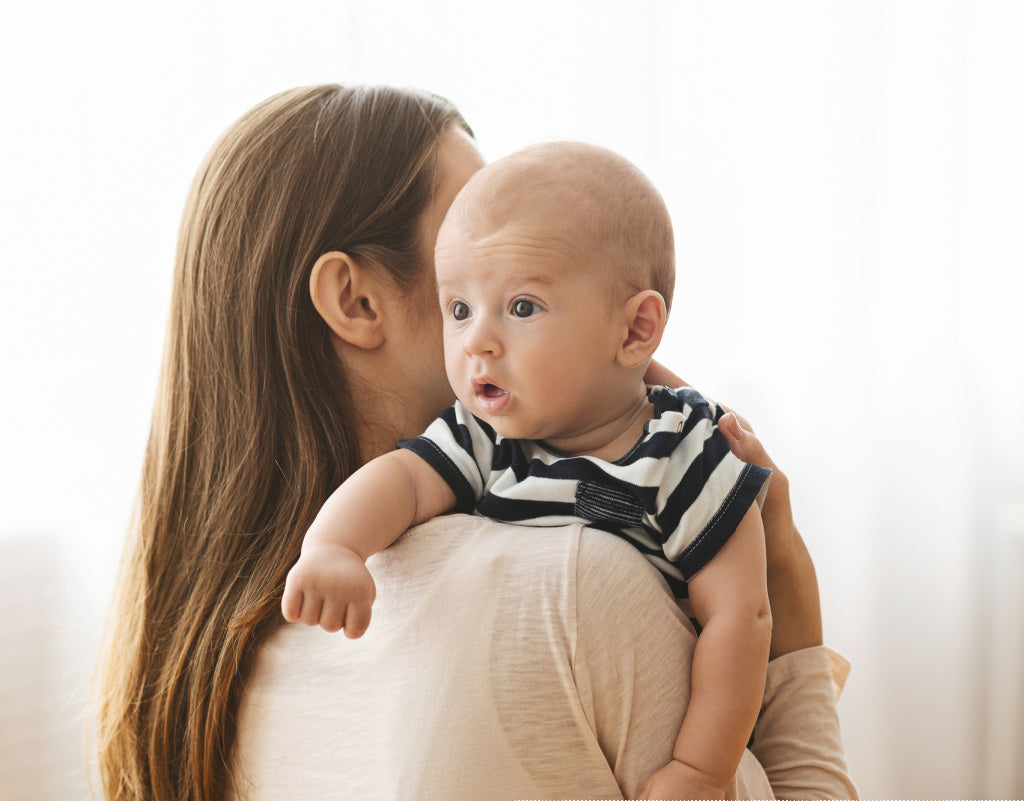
[490,398]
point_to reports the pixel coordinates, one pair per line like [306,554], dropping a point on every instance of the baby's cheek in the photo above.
[458,376]
[454,361]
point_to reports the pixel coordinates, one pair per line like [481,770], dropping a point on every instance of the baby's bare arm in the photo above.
[730,600]
[330,586]
[378,502]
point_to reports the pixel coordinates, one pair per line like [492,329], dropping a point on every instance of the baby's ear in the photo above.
[645,320]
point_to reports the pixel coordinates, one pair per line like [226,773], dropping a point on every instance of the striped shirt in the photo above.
[677,495]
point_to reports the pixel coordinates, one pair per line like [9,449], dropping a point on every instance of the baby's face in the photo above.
[528,336]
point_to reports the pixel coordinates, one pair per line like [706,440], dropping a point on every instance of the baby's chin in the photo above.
[503,425]
[507,427]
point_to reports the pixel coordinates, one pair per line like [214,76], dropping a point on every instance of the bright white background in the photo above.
[846,182]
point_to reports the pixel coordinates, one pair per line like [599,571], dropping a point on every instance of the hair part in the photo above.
[253,424]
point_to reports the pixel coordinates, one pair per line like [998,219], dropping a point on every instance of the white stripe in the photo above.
[560,490]
[708,503]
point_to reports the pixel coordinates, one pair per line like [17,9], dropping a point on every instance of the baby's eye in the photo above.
[460,311]
[524,308]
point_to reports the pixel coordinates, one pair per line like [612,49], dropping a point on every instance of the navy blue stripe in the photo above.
[508,455]
[513,510]
[687,395]
[570,468]
[659,442]
[693,482]
[459,431]
[693,420]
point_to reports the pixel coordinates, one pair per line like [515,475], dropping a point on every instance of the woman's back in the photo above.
[502,662]
[483,674]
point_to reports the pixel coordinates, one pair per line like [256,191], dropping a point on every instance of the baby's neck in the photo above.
[609,439]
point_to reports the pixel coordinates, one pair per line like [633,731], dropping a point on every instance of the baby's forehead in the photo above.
[525,233]
[546,205]
[544,184]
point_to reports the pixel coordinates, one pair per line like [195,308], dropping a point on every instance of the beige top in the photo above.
[509,662]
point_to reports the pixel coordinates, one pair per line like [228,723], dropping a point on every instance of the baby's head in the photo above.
[594,203]
[555,266]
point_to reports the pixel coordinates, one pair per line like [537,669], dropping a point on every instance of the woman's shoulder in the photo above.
[459,580]
[478,550]
[559,568]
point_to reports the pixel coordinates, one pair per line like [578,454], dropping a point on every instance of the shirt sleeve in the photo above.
[797,737]
[704,489]
[460,447]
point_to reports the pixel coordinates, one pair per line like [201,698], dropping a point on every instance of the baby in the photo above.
[555,268]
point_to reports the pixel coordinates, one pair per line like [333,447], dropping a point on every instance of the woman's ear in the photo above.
[346,296]
[645,323]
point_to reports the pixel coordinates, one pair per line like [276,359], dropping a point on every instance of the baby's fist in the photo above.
[329,586]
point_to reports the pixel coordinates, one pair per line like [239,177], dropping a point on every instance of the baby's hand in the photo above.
[329,586]
[679,780]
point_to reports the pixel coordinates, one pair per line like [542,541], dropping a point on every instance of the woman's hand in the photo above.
[792,583]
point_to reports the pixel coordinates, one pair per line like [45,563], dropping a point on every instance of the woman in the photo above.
[304,339]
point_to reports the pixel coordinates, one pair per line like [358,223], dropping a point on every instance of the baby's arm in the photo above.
[329,584]
[730,600]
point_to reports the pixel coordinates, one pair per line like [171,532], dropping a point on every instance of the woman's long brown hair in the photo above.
[252,427]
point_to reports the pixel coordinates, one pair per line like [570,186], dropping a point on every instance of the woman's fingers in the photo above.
[742,441]
[777,512]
